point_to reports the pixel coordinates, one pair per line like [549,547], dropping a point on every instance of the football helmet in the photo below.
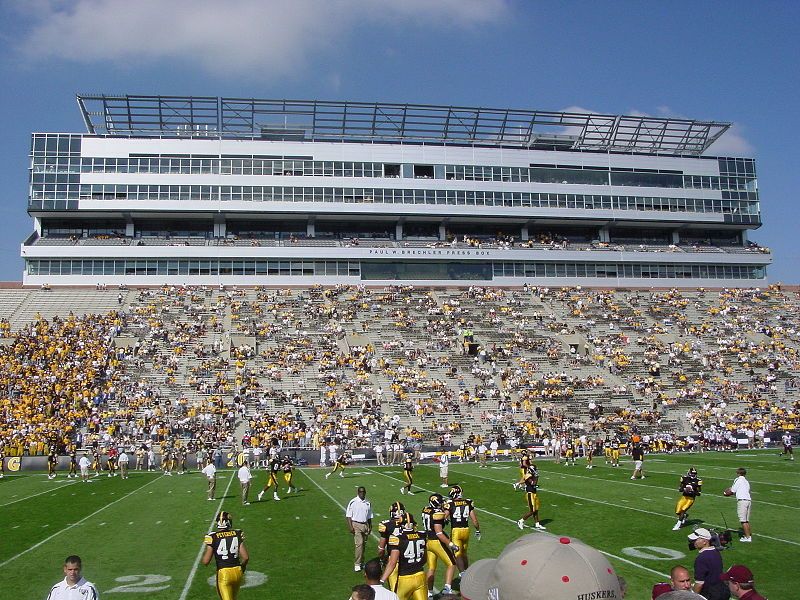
[224,520]
[692,472]
[409,522]
[397,511]
[455,492]
[435,500]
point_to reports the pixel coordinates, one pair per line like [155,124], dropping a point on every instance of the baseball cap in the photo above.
[737,573]
[542,567]
[700,533]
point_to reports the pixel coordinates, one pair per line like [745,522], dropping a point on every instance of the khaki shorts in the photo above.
[743,510]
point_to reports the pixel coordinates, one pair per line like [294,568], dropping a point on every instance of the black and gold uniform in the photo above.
[341,462]
[690,488]
[408,474]
[52,462]
[439,546]
[168,460]
[227,547]
[73,464]
[461,510]
[615,445]
[183,455]
[2,461]
[275,468]
[288,473]
[524,465]
[96,462]
[407,548]
[532,499]
[386,529]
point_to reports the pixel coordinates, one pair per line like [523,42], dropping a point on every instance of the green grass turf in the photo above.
[142,537]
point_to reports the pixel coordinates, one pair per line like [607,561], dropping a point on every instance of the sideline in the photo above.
[504,518]
[68,527]
[196,564]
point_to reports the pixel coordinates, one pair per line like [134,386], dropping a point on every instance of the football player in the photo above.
[73,464]
[272,477]
[111,462]
[52,462]
[439,545]
[615,444]
[524,464]
[408,469]
[341,462]
[97,462]
[226,545]
[690,488]
[288,473]
[407,549]
[387,528]
[461,512]
[786,439]
[532,498]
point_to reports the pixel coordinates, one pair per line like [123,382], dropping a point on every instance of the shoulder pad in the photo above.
[394,540]
[208,540]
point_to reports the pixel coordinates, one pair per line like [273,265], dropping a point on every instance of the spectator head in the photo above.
[699,538]
[570,570]
[373,571]
[362,592]
[680,578]
[739,579]
[72,569]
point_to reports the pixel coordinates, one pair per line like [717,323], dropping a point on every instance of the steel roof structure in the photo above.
[345,121]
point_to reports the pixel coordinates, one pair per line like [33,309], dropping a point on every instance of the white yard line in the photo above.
[68,527]
[641,510]
[196,563]
[504,518]
[39,494]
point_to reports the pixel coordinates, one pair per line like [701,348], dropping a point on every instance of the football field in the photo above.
[142,537]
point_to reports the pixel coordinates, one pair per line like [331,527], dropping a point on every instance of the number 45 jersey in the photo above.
[412,551]
[226,546]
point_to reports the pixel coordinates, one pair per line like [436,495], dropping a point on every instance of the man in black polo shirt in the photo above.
[707,567]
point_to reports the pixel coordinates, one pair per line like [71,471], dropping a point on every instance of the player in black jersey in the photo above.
[408,470]
[407,554]
[690,488]
[73,464]
[288,474]
[226,545]
[52,462]
[386,529]
[341,462]
[461,512]
[524,464]
[440,546]
[272,477]
[532,498]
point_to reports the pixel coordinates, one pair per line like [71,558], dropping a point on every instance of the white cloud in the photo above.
[732,143]
[266,37]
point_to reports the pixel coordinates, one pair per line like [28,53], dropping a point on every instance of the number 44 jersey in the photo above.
[226,546]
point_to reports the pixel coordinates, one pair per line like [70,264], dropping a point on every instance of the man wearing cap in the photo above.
[740,583]
[542,567]
[707,566]
[741,489]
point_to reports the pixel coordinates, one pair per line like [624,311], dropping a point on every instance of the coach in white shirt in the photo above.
[84,463]
[210,471]
[245,476]
[741,489]
[359,521]
[73,586]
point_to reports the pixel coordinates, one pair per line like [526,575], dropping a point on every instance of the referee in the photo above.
[359,522]
[73,586]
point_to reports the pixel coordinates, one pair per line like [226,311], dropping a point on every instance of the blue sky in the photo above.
[733,61]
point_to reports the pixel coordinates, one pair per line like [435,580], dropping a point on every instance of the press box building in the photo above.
[203,190]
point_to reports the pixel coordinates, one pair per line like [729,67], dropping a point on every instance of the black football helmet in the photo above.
[397,511]
[435,500]
[224,520]
[455,492]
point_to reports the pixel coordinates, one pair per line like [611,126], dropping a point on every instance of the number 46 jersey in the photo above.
[226,546]
[412,551]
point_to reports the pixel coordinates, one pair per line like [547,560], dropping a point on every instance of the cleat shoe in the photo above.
[327,475]
[402,490]
[341,474]
[275,497]
[521,524]
[356,568]
[745,539]
[540,526]
[677,526]
[260,495]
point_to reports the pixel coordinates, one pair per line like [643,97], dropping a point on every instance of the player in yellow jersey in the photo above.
[226,546]
[690,488]
[524,464]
